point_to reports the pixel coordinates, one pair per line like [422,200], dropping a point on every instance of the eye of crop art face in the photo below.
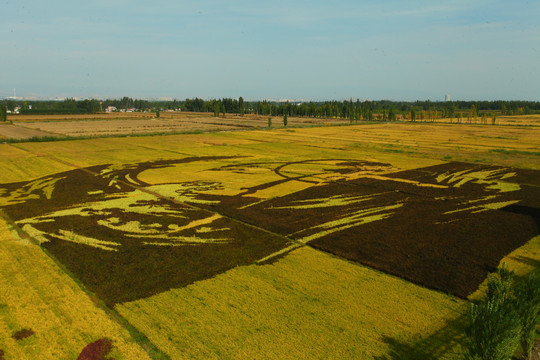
[131,231]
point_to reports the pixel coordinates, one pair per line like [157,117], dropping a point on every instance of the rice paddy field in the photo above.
[347,242]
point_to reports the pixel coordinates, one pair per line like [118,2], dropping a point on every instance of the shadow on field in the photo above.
[526,260]
[443,343]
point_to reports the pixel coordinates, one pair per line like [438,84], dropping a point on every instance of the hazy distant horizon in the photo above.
[57,98]
[312,50]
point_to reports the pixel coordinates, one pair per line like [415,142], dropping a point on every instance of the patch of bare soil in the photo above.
[98,350]
[22,334]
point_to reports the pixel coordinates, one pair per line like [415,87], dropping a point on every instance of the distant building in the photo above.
[447,98]
[110,109]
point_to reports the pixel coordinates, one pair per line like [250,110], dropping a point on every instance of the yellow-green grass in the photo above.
[504,120]
[526,120]
[403,145]
[525,259]
[406,144]
[428,140]
[270,155]
[84,153]
[20,165]
[235,177]
[412,146]
[36,294]
[307,305]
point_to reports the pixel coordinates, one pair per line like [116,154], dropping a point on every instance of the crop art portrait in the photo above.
[127,235]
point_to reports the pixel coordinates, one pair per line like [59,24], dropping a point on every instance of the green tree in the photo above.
[285,120]
[11,105]
[157,114]
[493,331]
[499,284]
[527,304]
[391,115]
[241,106]
[451,110]
[494,327]
[3,113]
[370,115]
[269,122]
[474,113]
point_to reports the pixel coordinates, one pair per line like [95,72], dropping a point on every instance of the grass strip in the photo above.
[515,152]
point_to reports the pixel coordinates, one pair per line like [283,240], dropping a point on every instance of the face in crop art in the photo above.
[133,230]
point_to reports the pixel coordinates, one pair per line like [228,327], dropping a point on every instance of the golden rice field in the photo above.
[308,305]
[195,246]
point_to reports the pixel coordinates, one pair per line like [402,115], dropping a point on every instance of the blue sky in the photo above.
[295,49]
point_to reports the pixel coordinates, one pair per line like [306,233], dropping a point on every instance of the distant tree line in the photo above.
[354,110]
[67,106]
